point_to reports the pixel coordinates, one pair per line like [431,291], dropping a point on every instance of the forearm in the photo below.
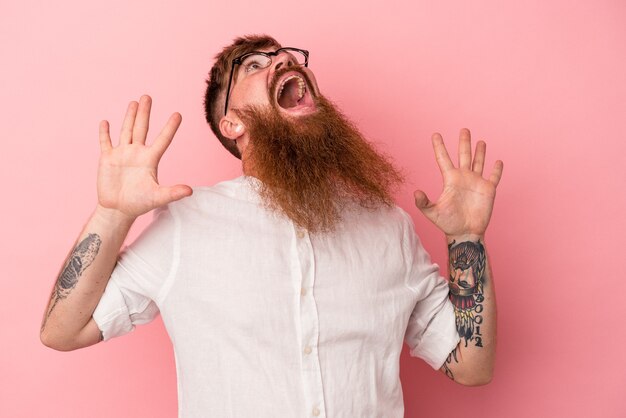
[473,295]
[84,276]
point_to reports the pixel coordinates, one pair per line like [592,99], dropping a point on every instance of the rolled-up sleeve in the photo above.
[431,330]
[130,296]
[121,308]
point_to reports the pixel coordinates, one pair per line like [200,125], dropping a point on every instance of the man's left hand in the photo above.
[466,203]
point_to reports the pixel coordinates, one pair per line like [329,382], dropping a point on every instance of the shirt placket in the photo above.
[309,322]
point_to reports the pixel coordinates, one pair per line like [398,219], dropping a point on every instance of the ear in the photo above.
[231,128]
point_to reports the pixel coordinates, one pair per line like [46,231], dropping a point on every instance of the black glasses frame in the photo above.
[269,55]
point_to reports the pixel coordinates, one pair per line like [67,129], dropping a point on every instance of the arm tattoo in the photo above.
[81,258]
[451,356]
[467,269]
[467,278]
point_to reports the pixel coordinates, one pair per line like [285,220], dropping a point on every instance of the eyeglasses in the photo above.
[257,60]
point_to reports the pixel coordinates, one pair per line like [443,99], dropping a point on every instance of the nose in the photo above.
[282,59]
[286,62]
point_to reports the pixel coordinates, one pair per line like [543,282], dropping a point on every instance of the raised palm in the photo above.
[466,202]
[127,173]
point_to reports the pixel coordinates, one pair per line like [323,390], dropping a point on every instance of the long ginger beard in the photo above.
[313,166]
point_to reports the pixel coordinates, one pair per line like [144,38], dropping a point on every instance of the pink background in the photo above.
[543,82]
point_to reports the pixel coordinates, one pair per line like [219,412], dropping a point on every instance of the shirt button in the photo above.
[303,291]
[307,350]
[300,234]
[316,412]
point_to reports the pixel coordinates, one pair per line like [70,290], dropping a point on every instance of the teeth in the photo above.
[301,86]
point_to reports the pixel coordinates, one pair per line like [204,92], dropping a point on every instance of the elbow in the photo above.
[55,343]
[480,380]
[476,378]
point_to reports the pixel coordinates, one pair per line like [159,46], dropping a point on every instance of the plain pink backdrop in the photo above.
[543,82]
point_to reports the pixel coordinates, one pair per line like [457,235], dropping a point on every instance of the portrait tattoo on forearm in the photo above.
[467,269]
[81,257]
[467,277]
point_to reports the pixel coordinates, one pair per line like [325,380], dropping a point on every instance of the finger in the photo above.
[166,195]
[140,130]
[465,149]
[479,157]
[126,135]
[167,134]
[421,200]
[496,173]
[105,138]
[441,154]
[424,204]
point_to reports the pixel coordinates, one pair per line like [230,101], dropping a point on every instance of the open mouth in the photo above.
[294,95]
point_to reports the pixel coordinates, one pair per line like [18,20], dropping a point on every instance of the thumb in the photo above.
[423,203]
[421,200]
[166,195]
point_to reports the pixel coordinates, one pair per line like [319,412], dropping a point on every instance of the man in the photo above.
[289,290]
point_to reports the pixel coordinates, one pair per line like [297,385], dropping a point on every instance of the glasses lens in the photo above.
[296,56]
[255,62]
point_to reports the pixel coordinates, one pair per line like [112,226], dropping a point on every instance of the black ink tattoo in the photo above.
[81,258]
[467,269]
[451,356]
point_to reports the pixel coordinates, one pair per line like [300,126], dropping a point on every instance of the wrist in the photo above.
[113,216]
[464,237]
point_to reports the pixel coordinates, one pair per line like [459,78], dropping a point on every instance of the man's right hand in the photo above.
[127,188]
[127,173]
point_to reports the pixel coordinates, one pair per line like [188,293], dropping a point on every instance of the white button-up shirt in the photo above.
[268,320]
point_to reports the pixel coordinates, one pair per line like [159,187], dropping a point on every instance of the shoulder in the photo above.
[237,189]
[210,201]
[390,222]
[392,215]
[396,224]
